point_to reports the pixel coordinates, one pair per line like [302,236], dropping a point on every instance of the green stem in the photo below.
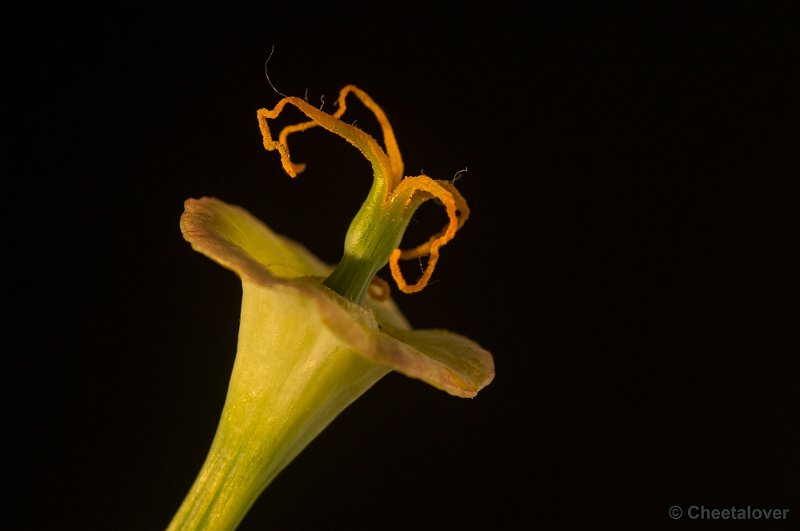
[352,277]
[376,230]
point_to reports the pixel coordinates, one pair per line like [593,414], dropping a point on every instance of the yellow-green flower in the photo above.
[314,337]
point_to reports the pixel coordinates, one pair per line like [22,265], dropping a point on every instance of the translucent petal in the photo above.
[235,239]
[376,330]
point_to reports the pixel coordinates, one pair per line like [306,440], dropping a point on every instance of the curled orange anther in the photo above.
[368,146]
[457,213]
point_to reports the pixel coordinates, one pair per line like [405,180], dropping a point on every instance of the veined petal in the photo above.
[445,360]
[235,239]
[454,363]
[376,330]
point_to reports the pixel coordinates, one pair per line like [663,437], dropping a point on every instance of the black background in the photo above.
[631,260]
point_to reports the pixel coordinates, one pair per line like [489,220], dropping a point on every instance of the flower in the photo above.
[312,340]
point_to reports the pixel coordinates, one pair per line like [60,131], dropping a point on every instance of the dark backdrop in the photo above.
[630,261]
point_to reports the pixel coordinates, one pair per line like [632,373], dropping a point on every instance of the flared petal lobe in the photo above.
[376,330]
[232,237]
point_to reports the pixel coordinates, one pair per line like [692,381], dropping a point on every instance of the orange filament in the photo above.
[389,141]
[453,203]
[355,136]
[462,213]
